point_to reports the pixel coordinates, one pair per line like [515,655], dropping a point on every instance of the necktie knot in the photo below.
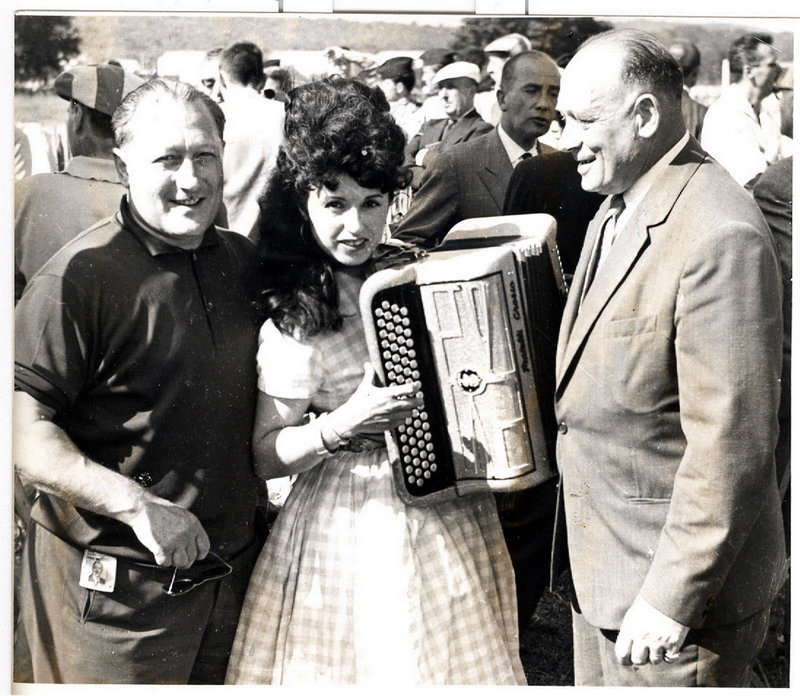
[604,240]
[524,156]
[617,205]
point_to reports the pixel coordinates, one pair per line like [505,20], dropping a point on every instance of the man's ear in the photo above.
[122,168]
[77,116]
[501,99]
[647,114]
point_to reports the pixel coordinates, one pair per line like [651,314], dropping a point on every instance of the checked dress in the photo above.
[353,586]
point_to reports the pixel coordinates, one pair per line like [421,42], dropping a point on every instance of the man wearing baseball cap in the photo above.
[397,79]
[457,84]
[51,209]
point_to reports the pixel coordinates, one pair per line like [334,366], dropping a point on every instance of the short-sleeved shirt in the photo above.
[51,209]
[147,354]
[326,368]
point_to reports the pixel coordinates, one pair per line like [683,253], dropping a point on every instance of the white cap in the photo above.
[510,44]
[458,69]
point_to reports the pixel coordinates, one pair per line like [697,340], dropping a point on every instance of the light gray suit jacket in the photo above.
[666,394]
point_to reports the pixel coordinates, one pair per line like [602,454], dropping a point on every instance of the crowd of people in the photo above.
[188,332]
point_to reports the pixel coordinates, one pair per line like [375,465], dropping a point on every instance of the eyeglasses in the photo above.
[197,575]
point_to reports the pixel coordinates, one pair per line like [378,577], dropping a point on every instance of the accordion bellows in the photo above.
[476,323]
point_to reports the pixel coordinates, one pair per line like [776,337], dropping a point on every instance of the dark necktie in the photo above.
[446,129]
[615,208]
[524,156]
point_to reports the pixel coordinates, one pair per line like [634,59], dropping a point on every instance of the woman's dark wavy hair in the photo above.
[333,126]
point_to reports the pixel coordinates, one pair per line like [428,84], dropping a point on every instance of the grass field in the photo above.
[45,108]
[546,643]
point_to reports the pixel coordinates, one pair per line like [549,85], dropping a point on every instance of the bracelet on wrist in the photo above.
[329,439]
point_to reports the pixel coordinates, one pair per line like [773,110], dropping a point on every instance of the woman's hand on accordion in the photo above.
[373,409]
[286,443]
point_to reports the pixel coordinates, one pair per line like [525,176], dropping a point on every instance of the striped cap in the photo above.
[100,87]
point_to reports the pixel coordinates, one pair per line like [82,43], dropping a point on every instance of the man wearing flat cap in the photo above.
[396,79]
[51,209]
[135,386]
[457,84]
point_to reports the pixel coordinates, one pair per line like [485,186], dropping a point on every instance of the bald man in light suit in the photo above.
[667,383]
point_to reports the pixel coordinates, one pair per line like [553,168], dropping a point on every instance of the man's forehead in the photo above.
[583,92]
[595,69]
[538,71]
[159,114]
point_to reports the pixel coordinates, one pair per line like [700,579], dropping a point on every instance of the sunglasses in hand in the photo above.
[211,568]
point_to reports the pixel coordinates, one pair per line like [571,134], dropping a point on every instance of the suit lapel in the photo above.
[651,212]
[496,170]
[576,289]
[461,129]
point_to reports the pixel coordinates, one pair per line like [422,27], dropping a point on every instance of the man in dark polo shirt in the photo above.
[135,378]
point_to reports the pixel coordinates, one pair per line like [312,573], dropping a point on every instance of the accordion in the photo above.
[476,323]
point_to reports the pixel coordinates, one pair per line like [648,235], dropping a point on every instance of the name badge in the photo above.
[98,571]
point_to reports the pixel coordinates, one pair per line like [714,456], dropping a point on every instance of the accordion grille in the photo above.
[425,454]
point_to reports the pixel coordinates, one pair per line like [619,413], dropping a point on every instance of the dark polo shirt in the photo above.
[147,353]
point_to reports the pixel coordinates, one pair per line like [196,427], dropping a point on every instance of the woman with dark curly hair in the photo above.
[352,586]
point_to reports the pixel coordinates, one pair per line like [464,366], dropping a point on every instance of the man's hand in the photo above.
[648,635]
[173,535]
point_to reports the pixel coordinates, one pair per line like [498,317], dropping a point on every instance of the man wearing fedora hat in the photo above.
[51,209]
[457,83]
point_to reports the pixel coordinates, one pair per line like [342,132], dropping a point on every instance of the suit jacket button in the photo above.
[562,428]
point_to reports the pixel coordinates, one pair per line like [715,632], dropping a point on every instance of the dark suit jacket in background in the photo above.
[551,184]
[469,126]
[773,193]
[468,180]
[667,381]
[693,114]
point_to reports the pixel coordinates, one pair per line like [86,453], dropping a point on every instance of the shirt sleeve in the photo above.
[287,368]
[52,342]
